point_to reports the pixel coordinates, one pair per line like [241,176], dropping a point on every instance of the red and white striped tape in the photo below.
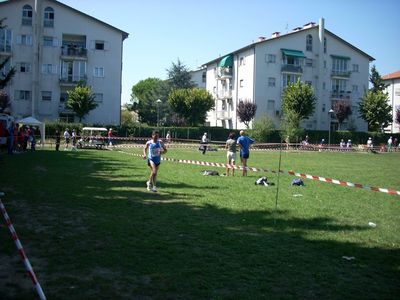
[21,251]
[293,173]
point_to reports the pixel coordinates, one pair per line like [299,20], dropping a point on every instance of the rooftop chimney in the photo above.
[261,38]
[297,28]
[275,34]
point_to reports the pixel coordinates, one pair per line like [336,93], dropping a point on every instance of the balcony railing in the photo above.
[73,51]
[223,115]
[224,94]
[72,80]
[342,95]
[292,69]
[336,73]
[225,72]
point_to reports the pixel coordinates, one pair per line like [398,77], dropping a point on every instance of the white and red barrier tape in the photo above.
[293,173]
[21,251]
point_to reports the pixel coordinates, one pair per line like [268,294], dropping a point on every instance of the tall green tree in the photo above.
[246,111]
[81,100]
[376,80]
[299,100]
[191,104]
[179,76]
[375,110]
[342,110]
[144,98]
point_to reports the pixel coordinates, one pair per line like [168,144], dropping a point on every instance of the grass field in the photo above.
[92,231]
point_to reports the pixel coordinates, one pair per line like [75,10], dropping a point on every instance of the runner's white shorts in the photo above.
[231,156]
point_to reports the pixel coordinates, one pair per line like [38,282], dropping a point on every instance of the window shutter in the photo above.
[54,69]
[55,42]
[19,39]
[92,44]
[29,40]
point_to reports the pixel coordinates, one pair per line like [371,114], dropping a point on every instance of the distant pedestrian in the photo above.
[244,143]
[110,137]
[370,145]
[168,137]
[348,145]
[390,144]
[32,139]
[74,139]
[152,151]
[58,140]
[342,143]
[231,154]
[67,136]
[204,142]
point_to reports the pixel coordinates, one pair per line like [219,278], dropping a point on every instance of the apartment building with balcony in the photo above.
[55,47]
[392,81]
[259,72]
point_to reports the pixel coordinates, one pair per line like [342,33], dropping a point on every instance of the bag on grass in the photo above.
[298,182]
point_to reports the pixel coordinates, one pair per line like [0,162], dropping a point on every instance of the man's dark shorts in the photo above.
[244,155]
[148,163]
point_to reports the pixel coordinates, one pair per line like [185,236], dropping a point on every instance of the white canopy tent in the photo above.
[33,122]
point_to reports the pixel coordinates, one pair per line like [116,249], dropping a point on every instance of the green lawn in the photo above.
[92,231]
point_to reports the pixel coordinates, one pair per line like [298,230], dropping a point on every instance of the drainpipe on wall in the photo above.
[237,90]
[35,61]
[321,35]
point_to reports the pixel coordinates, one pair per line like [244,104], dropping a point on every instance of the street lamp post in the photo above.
[330,112]
[158,112]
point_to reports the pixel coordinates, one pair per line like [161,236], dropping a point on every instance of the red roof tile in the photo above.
[391,76]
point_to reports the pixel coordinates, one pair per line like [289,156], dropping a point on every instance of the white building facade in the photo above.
[260,72]
[393,90]
[53,48]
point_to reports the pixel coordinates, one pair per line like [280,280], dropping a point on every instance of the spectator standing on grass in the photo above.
[110,136]
[390,143]
[74,139]
[10,138]
[342,143]
[231,154]
[152,151]
[32,139]
[244,143]
[370,145]
[67,136]
[204,142]
[58,140]
[348,145]
[395,143]
[168,137]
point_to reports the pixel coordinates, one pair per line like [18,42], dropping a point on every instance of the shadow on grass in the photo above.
[103,236]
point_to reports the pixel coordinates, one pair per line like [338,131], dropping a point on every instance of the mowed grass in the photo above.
[92,231]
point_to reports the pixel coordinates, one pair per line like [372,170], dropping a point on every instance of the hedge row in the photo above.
[221,134]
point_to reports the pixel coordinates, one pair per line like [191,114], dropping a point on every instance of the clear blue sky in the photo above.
[161,31]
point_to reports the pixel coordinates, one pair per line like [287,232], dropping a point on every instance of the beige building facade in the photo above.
[55,47]
[392,81]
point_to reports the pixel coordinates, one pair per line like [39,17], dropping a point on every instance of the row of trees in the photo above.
[181,102]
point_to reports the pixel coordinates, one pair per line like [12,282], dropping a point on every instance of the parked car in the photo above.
[92,137]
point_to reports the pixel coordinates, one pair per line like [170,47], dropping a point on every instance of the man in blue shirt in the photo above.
[244,143]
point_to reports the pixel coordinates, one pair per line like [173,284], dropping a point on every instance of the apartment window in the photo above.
[309,42]
[48,20]
[98,97]
[49,69]
[73,71]
[242,61]
[309,62]
[271,81]
[46,95]
[292,60]
[241,83]
[325,45]
[27,15]
[22,95]
[49,41]
[339,85]
[203,77]
[355,68]
[271,58]
[323,107]
[24,67]
[355,88]
[324,85]
[63,97]
[98,72]
[99,45]
[339,65]
[289,79]
[5,40]
[24,39]
[214,90]
[271,105]
[309,83]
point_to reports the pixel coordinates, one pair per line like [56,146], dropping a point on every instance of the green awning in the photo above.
[293,53]
[227,61]
[340,57]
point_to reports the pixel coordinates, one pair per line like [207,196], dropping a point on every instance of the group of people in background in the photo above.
[20,138]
